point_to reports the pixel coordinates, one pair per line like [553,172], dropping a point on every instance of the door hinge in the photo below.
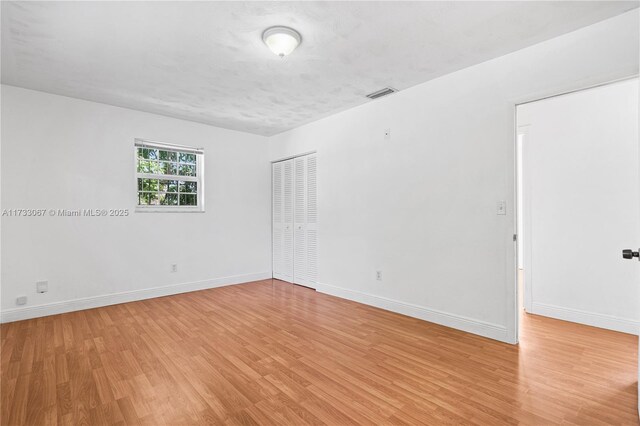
[515,237]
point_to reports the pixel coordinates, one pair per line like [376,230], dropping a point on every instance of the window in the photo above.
[169,177]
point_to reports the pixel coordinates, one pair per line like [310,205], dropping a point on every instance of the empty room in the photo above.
[318,212]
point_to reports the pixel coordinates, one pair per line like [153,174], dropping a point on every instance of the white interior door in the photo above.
[282,226]
[295,220]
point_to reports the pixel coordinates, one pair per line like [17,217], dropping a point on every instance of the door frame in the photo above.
[525,132]
[291,157]
[514,146]
[271,163]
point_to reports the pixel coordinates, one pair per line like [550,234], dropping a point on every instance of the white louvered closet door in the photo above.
[300,223]
[305,225]
[295,220]
[312,220]
[282,227]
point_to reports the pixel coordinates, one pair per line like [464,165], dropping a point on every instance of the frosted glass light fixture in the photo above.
[281,40]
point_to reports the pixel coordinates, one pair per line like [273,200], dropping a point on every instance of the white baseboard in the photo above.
[28,312]
[485,329]
[584,317]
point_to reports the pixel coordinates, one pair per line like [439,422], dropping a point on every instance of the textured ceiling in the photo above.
[205,61]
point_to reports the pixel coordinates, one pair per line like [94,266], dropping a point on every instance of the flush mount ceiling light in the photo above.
[281,40]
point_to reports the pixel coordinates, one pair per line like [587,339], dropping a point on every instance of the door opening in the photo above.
[577,186]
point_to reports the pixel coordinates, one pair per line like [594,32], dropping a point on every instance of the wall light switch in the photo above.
[42,286]
[22,300]
[379,275]
[502,207]
[387,134]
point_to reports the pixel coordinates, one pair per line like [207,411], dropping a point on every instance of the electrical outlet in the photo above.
[21,300]
[387,134]
[174,267]
[379,275]
[42,286]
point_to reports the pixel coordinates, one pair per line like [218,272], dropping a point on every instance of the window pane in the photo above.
[157,167]
[169,200]
[187,170]
[140,153]
[173,186]
[146,198]
[139,184]
[187,158]
[148,153]
[188,186]
[149,185]
[145,166]
[168,156]
[188,199]
[153,198]
[168,168]
[142,199]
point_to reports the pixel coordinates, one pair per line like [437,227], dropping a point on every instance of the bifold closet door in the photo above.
[295,220]
[282,226]
[305,221]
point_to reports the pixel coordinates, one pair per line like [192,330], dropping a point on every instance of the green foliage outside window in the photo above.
[166,192]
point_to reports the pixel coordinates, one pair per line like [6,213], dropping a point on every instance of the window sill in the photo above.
[168,210]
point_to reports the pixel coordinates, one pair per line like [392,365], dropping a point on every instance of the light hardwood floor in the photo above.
[270,352]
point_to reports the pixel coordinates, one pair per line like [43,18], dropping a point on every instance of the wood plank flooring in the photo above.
[273,353]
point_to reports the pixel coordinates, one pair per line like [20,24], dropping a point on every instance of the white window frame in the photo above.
[198,178]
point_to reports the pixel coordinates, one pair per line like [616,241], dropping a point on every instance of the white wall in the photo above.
[421,207]
[59,152]
[583,203]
